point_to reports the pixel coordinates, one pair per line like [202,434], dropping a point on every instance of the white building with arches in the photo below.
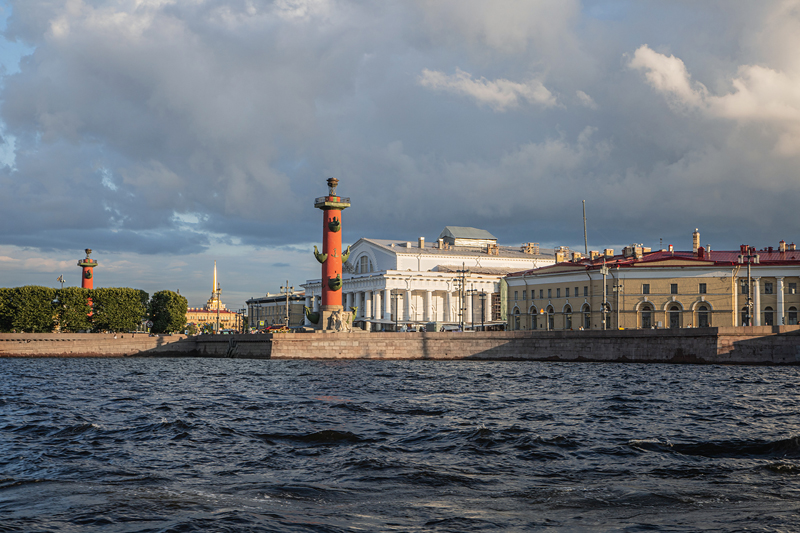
[404,283]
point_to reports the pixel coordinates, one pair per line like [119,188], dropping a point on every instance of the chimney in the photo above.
[782,246]
[701,252]
[441,244]
[671,249]
[608,252]
[792,247]
[695,241]
[594,254]
[422,242]
[408,245]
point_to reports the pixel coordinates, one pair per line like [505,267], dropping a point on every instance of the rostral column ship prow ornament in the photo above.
[332,315]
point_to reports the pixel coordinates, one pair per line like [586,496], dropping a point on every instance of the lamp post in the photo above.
[462,287]
[61,279]
[751,257]
[286,289]
[604,272]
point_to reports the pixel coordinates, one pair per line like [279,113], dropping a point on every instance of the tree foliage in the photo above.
[168,312]
[28,309]
[72,309]
[118,309]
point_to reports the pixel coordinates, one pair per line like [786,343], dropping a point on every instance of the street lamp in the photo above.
[462,287]
[287,290]
[753,258]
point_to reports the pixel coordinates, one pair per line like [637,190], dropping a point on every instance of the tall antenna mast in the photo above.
[585,240]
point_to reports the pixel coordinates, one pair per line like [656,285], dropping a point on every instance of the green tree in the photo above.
[72,309]
[28,309]
[168,312]
[118,309]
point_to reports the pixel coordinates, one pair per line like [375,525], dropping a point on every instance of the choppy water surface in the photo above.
[243,445]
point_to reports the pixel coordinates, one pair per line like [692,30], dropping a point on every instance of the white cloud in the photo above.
[760,94]
[586,100]
[499,94]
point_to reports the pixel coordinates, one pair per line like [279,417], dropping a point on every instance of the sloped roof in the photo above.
[461,232]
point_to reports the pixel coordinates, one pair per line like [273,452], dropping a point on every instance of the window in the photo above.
[576,292]
[558,293]
[745,288]
[568,317]
[702,316]
[586,290]
[768,289]
[541,293]
[516,295]
[673,288]
[549,293]
[792,316]
[645,288]
[647,317]
[745,316]
[769,317]
[567,295]
[675,317]
[702,289]
[524,295]
[793,288]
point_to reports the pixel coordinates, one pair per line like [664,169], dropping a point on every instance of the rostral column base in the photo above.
[333,319]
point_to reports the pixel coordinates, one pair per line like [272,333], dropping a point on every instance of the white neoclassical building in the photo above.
[454,280]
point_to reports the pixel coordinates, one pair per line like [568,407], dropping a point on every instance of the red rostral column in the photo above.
[331,257]
[87,277]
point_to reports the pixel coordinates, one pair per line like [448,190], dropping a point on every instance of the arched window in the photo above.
[647,316]
[745,316]
[534,317]
[702,317]
[587,317]
[567,317]
[516,318]
[674,316]
[364,265]
[551,323]
[769,317]
[792,316]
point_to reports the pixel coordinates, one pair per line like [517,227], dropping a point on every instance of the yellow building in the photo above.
[200,316]
[667,288]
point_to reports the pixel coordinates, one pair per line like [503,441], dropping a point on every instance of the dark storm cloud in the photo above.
[164,126]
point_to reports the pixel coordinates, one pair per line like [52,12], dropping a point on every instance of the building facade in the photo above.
[206,317]
[667,288]
[455,280]
[270,310]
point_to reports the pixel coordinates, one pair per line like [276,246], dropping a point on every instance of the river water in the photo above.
[136,444]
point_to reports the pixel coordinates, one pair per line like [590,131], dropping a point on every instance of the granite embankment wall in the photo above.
[81,344]
[750,345]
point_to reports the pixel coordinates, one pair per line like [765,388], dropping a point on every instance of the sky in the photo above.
[167,134]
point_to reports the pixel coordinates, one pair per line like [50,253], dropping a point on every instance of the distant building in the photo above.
[413,283]
[200,316]
[666,288]
[271,309]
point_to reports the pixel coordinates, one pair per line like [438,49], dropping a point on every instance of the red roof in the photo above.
[721,258]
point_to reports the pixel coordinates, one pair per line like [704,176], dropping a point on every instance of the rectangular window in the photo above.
[793,288]
[702,289]
[549,293]
[586,292]
[576,292]
[645,288]
[673,288]
[767,287]
[558,293]
[745,289]
[541,293]
[567,295]
[524,295]
[515,295]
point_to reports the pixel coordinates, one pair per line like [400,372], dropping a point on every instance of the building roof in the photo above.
[461,232]
[401,247]
[665,258]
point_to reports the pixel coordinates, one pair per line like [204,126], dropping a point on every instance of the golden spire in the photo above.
[214,287]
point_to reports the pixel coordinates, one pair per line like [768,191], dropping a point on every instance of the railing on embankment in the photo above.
[749,345]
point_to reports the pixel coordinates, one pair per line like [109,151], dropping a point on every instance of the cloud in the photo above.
[499,94]
[760,94]
[586,100]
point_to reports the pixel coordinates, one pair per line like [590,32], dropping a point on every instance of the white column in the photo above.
[376,305]
[387,304]
[428,317]
[306,321]
[348,301]
[737,313]
[407,305]
[756,301]
[448,307]
[316,302]
[368,308]
[467,310]
[781,320]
